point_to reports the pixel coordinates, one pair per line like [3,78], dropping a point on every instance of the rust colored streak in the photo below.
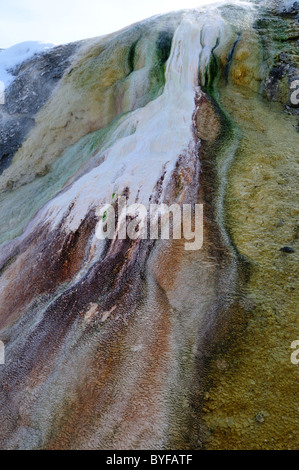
[106,412]
[47,262]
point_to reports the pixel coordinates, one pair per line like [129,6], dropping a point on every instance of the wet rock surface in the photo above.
[279,33]
[33,84]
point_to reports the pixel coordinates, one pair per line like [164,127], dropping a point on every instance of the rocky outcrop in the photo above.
[33,84]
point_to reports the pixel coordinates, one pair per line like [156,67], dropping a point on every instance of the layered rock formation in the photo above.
[134,344]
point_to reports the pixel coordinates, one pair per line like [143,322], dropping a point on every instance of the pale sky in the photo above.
[61,21]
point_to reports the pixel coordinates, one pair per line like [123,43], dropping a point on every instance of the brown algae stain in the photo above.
[254,402]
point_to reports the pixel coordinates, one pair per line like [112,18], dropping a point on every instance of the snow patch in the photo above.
[15,55]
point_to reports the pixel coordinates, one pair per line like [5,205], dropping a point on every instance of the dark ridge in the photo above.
[164,46]
[131,57]
[230,56]
[212,73]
